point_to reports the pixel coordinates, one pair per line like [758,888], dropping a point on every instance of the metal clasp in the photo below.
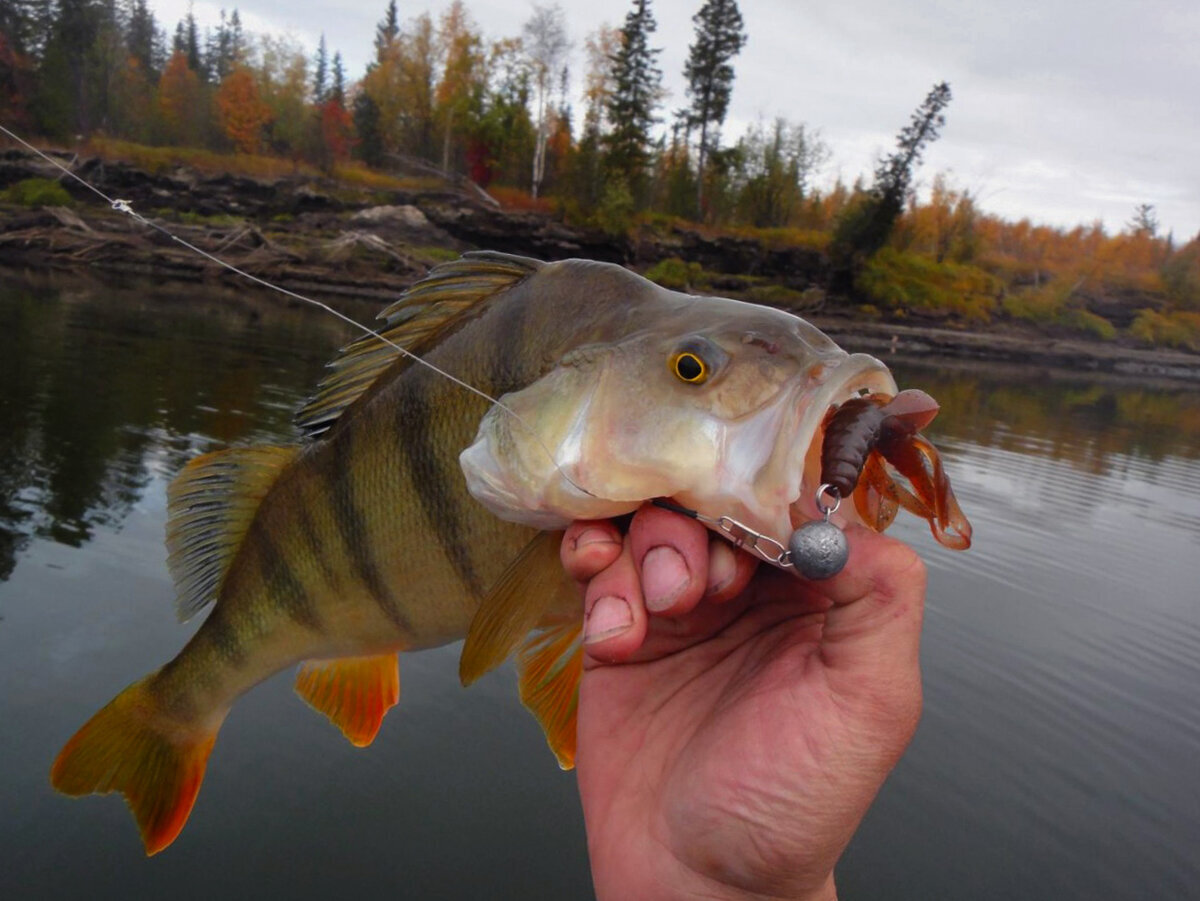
[745,537]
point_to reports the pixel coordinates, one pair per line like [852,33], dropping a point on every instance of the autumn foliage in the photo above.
[241,111]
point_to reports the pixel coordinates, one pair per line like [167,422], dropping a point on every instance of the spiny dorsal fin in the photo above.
[550,665]
[532,586]
[423,316]
[354,692]
[210,505]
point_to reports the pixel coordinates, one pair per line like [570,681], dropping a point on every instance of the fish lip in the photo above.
[855,373]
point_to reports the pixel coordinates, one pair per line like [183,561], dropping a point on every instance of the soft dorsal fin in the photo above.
[423,316]
[354,692]
[210,505]
[532,586]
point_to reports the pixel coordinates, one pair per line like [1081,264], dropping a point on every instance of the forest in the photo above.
[597,148]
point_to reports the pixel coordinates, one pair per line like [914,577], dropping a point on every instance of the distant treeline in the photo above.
[439,97]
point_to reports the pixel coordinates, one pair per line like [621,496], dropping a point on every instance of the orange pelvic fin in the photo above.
[354,692]
[550,665]
[130,748]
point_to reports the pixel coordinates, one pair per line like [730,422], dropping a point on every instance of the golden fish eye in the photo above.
[689,367]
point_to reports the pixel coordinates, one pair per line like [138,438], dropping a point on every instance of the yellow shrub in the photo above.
[906,281]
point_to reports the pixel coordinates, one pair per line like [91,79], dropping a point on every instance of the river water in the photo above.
[1058,757]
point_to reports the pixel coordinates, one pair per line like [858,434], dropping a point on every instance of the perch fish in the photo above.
[415,513]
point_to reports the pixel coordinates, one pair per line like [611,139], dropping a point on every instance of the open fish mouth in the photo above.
[857,376]
[866,425]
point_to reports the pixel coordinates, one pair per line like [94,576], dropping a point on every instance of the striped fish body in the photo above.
[418,512]
[360,543]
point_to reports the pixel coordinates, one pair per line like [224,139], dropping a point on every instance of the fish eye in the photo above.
[689,367]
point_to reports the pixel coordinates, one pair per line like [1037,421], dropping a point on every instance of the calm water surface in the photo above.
[1058,758]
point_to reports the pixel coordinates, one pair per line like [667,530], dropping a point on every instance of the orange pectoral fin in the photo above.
[531,587]
[550,665]
[127,747]
[354,692]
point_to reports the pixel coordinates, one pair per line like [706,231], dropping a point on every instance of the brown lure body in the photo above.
[861,434]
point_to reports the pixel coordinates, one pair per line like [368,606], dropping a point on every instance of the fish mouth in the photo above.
[859,374]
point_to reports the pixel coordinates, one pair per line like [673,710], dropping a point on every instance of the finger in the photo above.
[729,570]
[588,546]
[671,553]
[614,622]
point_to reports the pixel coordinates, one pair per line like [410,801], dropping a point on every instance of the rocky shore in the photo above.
[337,244]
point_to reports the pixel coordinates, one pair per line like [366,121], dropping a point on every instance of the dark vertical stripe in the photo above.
[354,530]
[220,632]
[508,352]
[282,584]
[432,477]
[313,545]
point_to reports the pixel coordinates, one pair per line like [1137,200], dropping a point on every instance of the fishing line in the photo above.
[123,206]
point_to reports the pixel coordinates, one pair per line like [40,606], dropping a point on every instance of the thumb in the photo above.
[872,637]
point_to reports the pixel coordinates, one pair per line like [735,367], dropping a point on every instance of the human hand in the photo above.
[735,722]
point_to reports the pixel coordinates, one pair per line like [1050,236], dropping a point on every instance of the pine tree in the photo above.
[218,50]
[191,43]
[143,39]
[61,104]
[338,90]
[321,72]
[366,125]
[387,31]
[709,74]
[237,40]
[637,88]
[866,224]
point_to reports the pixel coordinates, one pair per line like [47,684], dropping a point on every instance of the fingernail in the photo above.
[664,576]
[593,536]
[722,566]
[609,616]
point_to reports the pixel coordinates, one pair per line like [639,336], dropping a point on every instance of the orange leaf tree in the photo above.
[180,101]
[241,110]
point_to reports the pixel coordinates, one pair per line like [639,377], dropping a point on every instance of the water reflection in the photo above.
[99,390]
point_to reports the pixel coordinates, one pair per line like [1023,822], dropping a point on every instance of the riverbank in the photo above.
[340,244]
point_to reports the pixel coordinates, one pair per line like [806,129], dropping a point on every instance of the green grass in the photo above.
[674,273]
[37,192]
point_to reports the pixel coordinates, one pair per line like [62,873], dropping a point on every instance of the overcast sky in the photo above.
[1064,111]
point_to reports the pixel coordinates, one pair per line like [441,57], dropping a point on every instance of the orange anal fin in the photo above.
[550,664]
[354,692]
[126,747]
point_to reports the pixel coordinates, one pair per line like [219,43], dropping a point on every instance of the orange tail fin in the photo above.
[128,747]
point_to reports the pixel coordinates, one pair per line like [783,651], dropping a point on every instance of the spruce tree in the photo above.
[191,44]
[709,74]
[143,38]
[387,31]
[320,72]
[637,88]
[338,90]
[866,225]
